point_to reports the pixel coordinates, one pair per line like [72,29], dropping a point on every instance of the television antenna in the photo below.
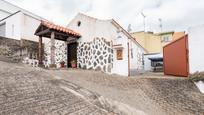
[144,17]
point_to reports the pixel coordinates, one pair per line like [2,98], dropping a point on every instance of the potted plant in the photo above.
[73,64]
[198,79]
[62,63]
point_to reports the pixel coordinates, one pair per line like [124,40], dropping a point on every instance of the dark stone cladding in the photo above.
[16,50]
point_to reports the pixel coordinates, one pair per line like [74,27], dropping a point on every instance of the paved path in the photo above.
[28,91]
[153,94]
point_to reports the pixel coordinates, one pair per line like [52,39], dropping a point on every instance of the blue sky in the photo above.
[176,15]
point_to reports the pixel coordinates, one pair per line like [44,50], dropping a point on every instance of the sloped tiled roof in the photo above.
[178,35]
[53,26]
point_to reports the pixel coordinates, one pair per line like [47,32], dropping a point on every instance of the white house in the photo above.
[19,24]
[105,45]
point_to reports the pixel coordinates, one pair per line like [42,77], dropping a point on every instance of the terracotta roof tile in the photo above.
[53,26]
[178,35]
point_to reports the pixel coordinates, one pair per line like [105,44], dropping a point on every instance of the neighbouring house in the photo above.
[154,42]
[104,45]
[17,28]
[17,23]
[168,37]
[153,62]
[184,56]
[195,44]
[149,40]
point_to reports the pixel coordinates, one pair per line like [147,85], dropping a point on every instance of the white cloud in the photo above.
[176,14]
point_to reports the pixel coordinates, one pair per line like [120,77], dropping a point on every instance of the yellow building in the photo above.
[154,43]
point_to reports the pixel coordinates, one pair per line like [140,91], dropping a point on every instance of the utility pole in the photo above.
[160,24]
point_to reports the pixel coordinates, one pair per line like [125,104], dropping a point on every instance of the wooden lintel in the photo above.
[41,33]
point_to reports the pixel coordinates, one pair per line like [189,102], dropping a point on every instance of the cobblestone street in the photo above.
[28,91]
[25,90]
[154,94]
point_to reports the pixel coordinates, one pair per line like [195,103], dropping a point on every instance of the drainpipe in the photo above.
[128,44]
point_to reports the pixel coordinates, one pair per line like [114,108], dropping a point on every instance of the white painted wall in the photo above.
[13,26]
[121,66]
[91,28]
[29,26]
[22,26]
[136,56]
[196,47]
[147,62]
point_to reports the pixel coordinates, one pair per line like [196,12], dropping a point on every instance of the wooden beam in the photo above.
[65,34]
[71,40]
[61,34]
[40,51]
[41,33]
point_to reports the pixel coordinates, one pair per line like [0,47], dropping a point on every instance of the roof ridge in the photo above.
[93,17]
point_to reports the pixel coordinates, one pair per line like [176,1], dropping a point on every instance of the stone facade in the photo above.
[60,53]
[18,50]
[97,55]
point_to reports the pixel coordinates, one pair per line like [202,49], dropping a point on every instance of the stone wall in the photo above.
[18,50]
[60,53]
[97,55]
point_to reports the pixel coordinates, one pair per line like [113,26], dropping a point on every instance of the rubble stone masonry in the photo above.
[17,50]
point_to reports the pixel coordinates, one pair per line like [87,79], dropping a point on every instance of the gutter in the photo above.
[9,16]
[128,44]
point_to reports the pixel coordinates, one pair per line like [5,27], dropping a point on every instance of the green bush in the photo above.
[198,76]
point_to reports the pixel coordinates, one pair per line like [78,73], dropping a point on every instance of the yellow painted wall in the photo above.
[150,41]
[154,43]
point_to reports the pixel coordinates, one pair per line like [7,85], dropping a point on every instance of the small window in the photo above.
[166,39]
[119,54]
[79,23]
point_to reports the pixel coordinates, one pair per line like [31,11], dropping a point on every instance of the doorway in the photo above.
[71,53]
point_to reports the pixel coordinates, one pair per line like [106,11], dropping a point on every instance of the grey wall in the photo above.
[2,29]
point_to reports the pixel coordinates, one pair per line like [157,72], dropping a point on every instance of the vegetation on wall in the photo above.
[198,76]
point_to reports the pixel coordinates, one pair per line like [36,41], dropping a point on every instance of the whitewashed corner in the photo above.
[200,85]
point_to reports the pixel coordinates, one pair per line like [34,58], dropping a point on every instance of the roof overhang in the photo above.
[61,33]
